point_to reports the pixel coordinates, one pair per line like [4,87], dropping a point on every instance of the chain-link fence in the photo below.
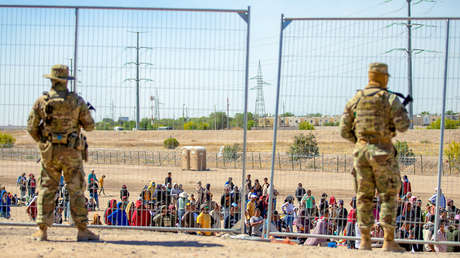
[322,62]
[140,68]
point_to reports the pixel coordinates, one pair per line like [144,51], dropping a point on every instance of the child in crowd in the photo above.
[204,219]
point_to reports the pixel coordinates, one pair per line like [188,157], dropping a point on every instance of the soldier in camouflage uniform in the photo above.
[370,120]
[55,123]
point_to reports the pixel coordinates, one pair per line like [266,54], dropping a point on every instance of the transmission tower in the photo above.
[260,102]
[409,50]
[137,79]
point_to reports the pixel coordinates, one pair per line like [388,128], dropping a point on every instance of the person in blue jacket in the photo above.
[118,217]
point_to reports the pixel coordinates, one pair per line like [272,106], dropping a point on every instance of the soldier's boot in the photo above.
[85,235]
[389,244]
[366,243]
[40,234]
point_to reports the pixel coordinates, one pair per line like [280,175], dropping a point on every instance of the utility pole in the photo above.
[409,62]
[410,51]
[137,79]
[259,111]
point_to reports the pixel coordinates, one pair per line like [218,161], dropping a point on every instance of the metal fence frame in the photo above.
[245,14]
[284,22]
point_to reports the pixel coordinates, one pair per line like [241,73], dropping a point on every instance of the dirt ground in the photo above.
[15,242]
[422,141]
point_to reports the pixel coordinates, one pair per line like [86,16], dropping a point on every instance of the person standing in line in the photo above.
[31,185]
[101,185]
[299,193]
[168,179]
[370,121]
[55,123]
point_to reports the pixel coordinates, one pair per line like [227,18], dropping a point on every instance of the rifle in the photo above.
[407,99]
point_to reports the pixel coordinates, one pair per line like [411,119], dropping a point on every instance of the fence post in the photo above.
[300,164]
[337,163]
[421,164]
[322,162]
[97,157]
[279,160]
[292,163]
[175,162]
[345,163]
[260,161]
[314,162]
[252,154]
[159,158]
[217,161]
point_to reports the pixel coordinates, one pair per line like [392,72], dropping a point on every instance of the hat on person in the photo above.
[253,195]
[234,204]
[340,201]
[379,68]
[203,206]
[183,195]
[59,73]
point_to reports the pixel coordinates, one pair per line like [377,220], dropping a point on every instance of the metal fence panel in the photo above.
[183,71]
[322,63]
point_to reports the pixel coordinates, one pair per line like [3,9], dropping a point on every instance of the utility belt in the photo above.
[71,140]
[373,140]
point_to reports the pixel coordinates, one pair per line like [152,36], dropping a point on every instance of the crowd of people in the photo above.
[168,205]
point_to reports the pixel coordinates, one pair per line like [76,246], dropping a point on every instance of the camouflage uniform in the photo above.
[55,123]
[370,120]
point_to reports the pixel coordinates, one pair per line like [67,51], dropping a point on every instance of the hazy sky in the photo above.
[265,23]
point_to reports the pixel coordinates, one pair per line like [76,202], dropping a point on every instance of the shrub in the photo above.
[304,147]
[452,152]
[230,152]
[306,126]
[331,124]
[6,140]
[170,143]
[449,124]
[405,155]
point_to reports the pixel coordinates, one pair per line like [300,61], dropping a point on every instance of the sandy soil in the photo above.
[15,242]
[423,141]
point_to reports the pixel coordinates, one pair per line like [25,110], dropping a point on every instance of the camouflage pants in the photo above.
[377,169]
[58,160]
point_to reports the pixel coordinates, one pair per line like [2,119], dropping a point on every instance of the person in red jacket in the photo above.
[406,187]
[141,216]
[111,207]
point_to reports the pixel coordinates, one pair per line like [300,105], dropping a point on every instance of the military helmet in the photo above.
[379,68]
[59,73]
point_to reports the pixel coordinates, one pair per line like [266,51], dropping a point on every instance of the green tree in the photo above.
[306,126]
[450,113]
[405,154]
[238,120]
[287,114]
[449,124]
[304,147]
[452,152]
[217,120]
[6,140]
[171,143]
[146,124]
[314,115]
[230,152]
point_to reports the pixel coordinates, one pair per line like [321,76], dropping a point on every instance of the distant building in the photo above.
[123,119]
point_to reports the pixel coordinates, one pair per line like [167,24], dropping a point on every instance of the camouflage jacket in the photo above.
[70,115]
[380,117]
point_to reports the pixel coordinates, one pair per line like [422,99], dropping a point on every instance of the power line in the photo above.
[137,79]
